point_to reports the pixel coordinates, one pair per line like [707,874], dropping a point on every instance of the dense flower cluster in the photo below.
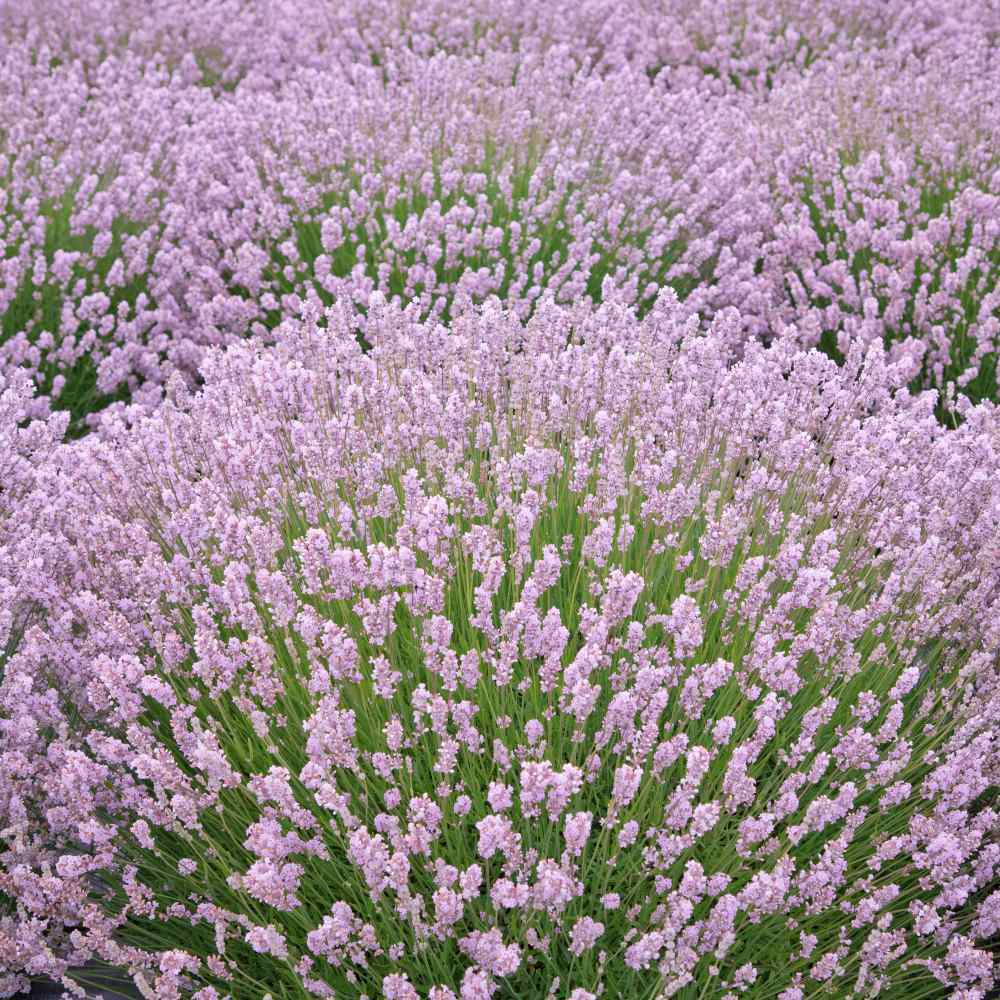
[442,181]
[888,217]
[500,498]
[178,178]
[743,44]
[85,155]
[561,658]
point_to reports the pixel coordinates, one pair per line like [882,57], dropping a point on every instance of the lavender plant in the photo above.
[85,159]
[557,658]
[441,181]
[733,44]
[888,189]
[437,182]
[147,216]
[24,447]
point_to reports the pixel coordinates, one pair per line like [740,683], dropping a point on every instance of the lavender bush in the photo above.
[890,213]
[558,659]
[722,44]
[85,155]
[440,182]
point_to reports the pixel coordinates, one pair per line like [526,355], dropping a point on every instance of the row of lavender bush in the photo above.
[499,499]
[149,212]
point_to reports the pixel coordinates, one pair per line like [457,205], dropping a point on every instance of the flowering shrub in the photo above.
[85,157]
[180,221]
[725,44]
[443,181]
[556,658]
[24,448]
[757,45]
[888,187]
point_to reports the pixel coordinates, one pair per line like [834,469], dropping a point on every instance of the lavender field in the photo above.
[500,499]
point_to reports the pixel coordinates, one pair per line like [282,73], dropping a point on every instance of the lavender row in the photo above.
[732,44]
[147,216]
